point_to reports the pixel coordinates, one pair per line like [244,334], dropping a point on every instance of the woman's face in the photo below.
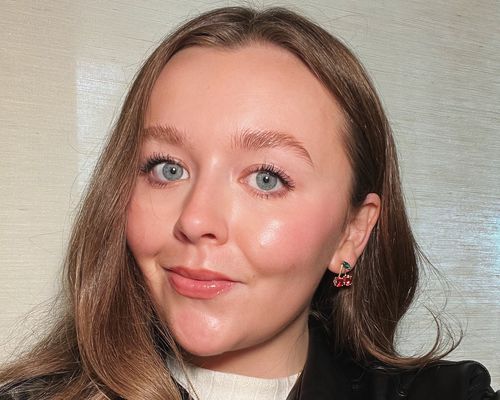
[240,204]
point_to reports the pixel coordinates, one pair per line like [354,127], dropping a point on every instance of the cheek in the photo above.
[137,234]
[291,239]
[146,229]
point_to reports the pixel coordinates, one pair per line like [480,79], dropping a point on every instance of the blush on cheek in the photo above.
[270,234]
[295,239]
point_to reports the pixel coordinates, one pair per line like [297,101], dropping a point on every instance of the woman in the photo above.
[244,234]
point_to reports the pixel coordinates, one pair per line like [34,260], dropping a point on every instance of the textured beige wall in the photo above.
[65,65]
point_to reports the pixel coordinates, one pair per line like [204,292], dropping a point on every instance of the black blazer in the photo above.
[331,376]
[335,376]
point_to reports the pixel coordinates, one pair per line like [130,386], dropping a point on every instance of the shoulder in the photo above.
[329,372]
[467,380]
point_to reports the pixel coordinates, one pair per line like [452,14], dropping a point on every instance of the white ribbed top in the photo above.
[215,385]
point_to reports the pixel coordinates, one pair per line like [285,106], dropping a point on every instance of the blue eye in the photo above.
[163,170]
[169,171]
[266,180]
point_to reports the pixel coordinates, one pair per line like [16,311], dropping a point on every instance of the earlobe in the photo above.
[356,233]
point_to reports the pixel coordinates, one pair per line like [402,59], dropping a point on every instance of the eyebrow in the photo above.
[166,133]
[256,139]
[247,139]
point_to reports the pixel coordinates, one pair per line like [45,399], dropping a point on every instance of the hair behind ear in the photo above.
[365,317]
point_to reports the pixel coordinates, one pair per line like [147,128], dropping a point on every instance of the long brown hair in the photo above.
[109,343]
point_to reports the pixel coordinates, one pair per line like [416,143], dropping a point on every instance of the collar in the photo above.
[328,373]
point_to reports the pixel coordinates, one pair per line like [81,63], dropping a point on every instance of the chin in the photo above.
[206,346]
[201,338]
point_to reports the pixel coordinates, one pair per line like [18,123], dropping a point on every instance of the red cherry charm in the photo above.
[339,281]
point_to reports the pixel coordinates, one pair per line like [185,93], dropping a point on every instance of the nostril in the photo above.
[179,234]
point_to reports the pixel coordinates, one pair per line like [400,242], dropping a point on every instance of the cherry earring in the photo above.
[343,278]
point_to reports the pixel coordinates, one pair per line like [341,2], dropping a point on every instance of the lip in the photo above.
[199,283]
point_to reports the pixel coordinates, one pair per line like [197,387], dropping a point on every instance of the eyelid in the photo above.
[158,158]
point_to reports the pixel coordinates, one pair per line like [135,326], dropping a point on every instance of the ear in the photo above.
[357,232]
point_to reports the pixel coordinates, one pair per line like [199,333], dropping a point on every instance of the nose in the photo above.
[204,214]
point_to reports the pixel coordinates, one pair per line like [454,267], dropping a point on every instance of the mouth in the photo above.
[199,283]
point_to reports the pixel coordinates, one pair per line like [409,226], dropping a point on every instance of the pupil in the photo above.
[172,172]
[266,181]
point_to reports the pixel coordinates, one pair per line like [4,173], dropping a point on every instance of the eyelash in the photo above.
[152,162]
[272,169]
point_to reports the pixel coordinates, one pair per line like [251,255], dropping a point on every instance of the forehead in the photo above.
[218,92]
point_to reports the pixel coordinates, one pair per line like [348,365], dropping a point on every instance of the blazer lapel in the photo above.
[327,375]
